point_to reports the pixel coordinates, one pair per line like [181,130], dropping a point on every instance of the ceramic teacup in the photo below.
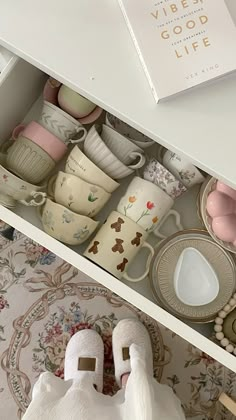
[182,169]
[116,244]
[156,173]
[65,225]
[39,135]
[112,152]
[126,130]
[147,205]
[50,94]
[74,103]
[79,164]
[13,189]
[34,153]
[28,161]
[61,124]
[77,194]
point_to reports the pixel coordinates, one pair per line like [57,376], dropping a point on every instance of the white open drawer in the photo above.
[17,94]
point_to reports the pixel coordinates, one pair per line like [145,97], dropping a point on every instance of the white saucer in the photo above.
[163,266]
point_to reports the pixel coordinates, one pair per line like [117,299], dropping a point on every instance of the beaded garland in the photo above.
[219,326]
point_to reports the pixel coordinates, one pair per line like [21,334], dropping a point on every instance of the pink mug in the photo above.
[51,144]
[35,152]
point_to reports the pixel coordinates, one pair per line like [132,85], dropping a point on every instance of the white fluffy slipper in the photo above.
[130,331]
[85,356]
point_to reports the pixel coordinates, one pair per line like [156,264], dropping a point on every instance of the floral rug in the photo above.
[44,301]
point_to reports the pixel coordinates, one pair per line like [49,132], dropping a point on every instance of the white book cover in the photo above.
[181,43]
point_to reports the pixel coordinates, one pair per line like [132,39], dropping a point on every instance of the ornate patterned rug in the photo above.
[44,301]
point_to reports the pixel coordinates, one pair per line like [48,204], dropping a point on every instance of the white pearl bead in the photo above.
[235,351]
[219,321]
[232,302]
[227,308]
[218,328]
[230,348]
[222,314]
[224,342]
[219,336]
[234,295]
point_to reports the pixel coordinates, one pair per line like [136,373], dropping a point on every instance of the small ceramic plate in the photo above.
[195,281]
[162,274]
[50,93]
[204,192]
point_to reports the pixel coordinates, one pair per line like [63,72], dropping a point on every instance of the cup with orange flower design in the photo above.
[147,205]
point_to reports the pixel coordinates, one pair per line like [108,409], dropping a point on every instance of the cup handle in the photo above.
[79,140]
[33,201]
[136,279]
[17,130]
[51,186]
[177,221]
[140,163]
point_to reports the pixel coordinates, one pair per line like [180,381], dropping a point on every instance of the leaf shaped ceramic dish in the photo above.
[195,281]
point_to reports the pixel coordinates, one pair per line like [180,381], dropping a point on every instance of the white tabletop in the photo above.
[86,44]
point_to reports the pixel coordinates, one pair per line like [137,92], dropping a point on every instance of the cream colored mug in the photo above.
[147,205]
[116,245]
[77,194]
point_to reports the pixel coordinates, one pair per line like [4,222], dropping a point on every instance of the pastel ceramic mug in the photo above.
[13,189]
[80,165]
[77,194]
[182,169]
[34,153]
[147,205]
[112,152]
[156,173]
[50,94]
[116,244]
[74,103]
[65,225]
[61,124]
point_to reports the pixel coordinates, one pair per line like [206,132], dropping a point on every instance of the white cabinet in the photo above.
[87,45]
[92,52]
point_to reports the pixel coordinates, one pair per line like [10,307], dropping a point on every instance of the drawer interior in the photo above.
[21,100]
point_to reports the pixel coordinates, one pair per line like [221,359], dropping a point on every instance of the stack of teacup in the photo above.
[143,209]
[37,148]
[84,188]
[77,195]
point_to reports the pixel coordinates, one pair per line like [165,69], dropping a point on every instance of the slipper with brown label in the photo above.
[85,356]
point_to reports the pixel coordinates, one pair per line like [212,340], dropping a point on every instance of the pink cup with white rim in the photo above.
[34,153]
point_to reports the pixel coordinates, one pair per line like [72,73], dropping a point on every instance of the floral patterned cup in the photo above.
[146,204]
[77,194]
[182,169]
[13,189]
[65,225]
[156,173]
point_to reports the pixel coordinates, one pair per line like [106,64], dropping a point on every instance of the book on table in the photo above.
[181,43]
